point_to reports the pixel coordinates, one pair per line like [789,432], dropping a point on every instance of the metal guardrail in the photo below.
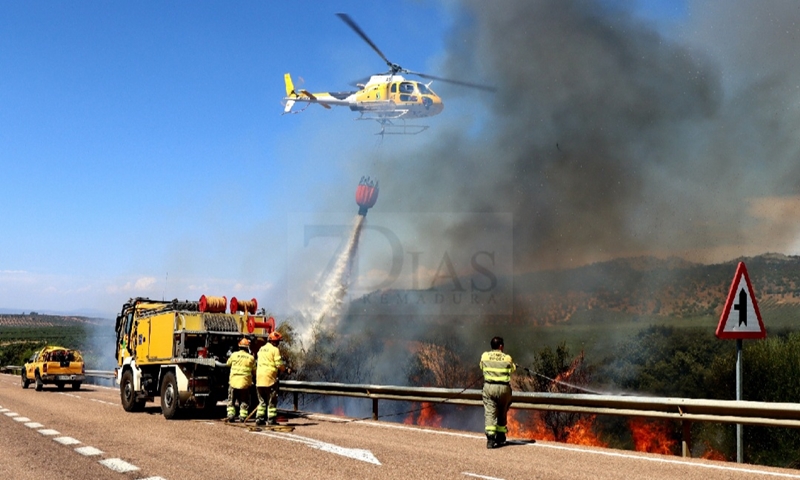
[685,410]
[17,370]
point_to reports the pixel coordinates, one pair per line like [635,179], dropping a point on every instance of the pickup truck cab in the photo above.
[54,365]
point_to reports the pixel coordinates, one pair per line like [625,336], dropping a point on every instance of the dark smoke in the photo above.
[608,137]
[605,138]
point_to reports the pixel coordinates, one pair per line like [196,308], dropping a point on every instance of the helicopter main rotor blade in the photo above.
[455,82]
[349,21]
[395,68]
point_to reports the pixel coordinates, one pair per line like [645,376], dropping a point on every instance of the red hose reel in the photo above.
[252,324]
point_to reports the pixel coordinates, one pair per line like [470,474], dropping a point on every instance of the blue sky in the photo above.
[144,140]
[143,149]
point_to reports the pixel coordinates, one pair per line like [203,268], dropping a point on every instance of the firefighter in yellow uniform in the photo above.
[496,367]
[270,364]
[240,380]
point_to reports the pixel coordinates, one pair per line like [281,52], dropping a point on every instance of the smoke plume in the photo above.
[608,138]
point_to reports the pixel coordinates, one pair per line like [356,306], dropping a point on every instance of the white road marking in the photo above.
[104,402]
[118,465]
[88,451]
[354,453]
[115,464]
[418,429]
[480,476]
[67,440]
[606,452]
[666,460]
[69,395]
[331,419]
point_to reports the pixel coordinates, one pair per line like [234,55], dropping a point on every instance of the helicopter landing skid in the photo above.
[388,127]
[404,129]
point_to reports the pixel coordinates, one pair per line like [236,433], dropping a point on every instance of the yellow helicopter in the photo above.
[389,98]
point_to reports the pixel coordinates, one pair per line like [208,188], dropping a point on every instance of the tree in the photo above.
[439,364]
[556,372]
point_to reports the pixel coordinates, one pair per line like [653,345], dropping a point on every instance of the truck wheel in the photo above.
[76,385]
[60,385]
[128,395]
[39,383]
[169,396]
[25,381]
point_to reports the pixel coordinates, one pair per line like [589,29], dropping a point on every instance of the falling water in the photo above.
[326,303]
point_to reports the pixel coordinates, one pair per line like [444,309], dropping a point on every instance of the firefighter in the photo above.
[270,364]
[240,380]
[496,367]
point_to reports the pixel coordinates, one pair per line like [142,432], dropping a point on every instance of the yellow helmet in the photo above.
[275,337]
[244,343]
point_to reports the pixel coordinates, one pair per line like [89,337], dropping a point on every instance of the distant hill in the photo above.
[644,286]
[34,319]
[652,286]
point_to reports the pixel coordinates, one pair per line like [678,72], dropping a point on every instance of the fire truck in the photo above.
[176,350]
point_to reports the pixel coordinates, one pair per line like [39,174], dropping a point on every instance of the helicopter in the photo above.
[388,98]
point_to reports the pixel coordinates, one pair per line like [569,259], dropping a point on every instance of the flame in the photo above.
[427,416]
[582,433]
[527,426]
[711,454]
[652,437]
[561,384]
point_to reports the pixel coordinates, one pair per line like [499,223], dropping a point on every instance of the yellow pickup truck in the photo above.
[54,365]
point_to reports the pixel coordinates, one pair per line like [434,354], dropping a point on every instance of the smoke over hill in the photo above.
[608,138]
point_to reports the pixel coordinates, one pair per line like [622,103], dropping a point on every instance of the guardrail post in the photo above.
[686,443]
[294,400]
[374,408]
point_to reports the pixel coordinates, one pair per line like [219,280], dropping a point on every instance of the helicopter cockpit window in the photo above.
[424,89]
[406,87]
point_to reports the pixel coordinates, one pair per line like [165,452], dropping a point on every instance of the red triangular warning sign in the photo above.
[741,317]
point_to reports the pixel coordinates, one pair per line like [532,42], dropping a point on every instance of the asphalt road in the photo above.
[87,434]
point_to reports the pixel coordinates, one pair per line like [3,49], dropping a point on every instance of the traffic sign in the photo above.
[741,317]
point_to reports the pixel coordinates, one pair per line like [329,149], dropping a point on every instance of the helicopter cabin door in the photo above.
[403,92]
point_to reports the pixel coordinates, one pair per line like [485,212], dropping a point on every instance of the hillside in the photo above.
[650,286]
[34,319]
[640,286]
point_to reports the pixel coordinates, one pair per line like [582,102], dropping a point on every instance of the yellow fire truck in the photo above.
[177,350]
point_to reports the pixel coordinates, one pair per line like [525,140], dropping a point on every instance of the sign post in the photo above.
[740,320]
